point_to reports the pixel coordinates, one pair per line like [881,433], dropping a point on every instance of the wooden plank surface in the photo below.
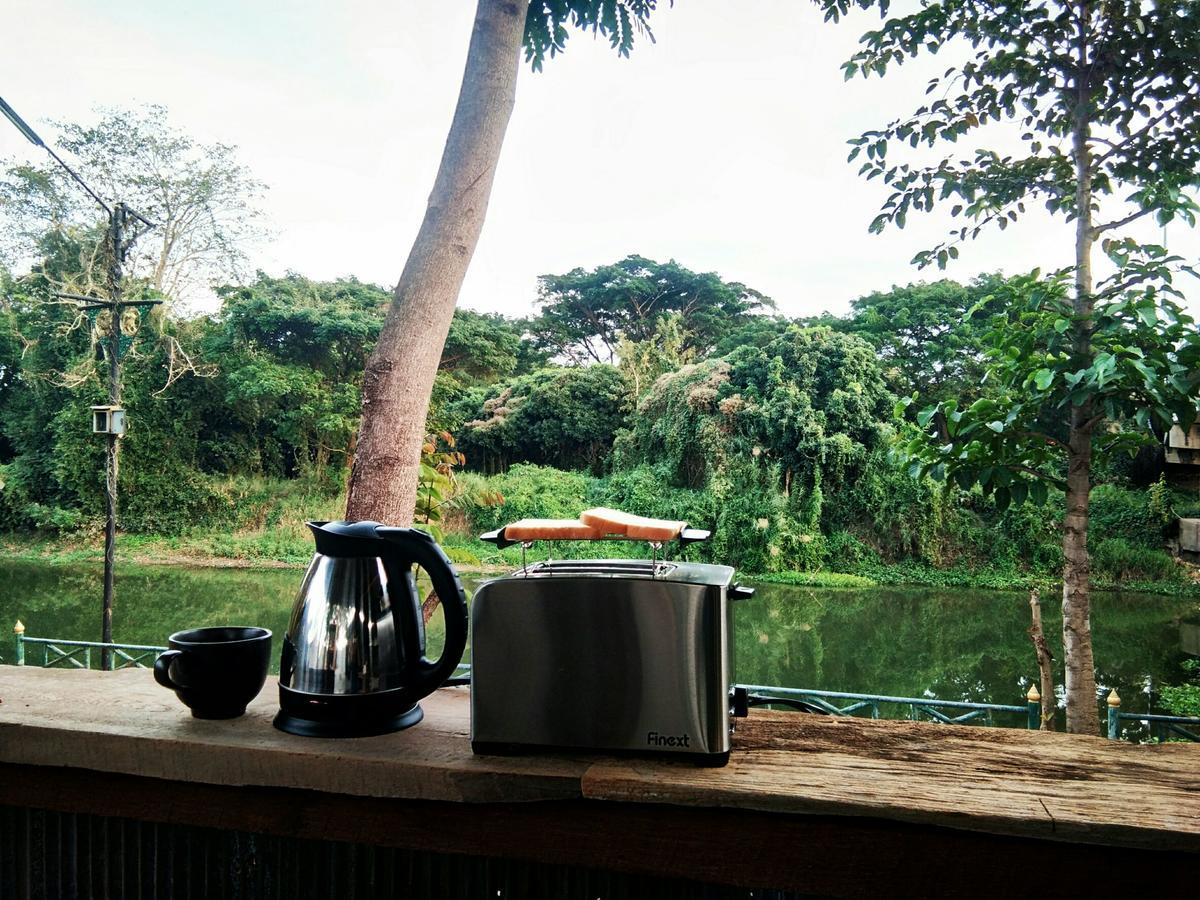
[1002,781]
[124,722]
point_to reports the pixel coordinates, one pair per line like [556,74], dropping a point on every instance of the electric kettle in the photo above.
[353,660]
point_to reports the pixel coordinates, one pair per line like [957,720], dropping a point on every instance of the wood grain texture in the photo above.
[124,722]
[1000,781]
[1051,786]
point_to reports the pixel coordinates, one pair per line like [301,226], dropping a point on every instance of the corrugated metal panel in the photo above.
[48,855]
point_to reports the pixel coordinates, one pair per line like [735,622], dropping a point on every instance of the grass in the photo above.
[818,579]
[286,543]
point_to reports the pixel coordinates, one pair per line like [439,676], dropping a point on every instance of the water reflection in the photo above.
[953,644]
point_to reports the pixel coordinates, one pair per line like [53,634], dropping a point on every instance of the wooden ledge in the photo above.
[990,780]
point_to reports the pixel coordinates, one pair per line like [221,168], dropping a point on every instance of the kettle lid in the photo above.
[346,539]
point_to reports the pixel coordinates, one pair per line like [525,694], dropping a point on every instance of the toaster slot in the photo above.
[602,568]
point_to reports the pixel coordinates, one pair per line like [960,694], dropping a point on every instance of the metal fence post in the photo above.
[1034,707]
[1114,714]
[19,636]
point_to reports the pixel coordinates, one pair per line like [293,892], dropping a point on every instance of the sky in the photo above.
[722,145]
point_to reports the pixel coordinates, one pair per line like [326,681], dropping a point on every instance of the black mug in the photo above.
[215,671]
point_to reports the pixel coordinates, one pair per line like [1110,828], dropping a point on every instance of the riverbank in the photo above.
[287,549]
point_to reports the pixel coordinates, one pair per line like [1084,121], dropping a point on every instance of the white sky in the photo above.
[723,145]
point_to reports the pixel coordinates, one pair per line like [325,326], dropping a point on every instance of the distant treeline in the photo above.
[677,393]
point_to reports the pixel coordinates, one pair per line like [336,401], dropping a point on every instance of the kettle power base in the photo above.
[293,724]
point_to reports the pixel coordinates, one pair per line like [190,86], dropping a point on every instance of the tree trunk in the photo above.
[1045,661]
[400,372]
[1079,669]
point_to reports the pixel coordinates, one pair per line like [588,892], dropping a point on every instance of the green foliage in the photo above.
[818,579]
[585,313]
[899,515]
[1127,515]
[928,339]
[646,491]
[534,492]
[644,362]
[1119,560]
[439,489]
[1159,502]
[1120,76]
[560,416]
[618,20]
[1141,366]
[809,401]
[1184,699]
[748,508]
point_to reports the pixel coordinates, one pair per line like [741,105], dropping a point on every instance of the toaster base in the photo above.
[498,748]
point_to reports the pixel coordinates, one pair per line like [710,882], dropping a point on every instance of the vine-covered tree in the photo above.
[811,401]
[400,375]
[565,417]
[586,312]
[1105,97]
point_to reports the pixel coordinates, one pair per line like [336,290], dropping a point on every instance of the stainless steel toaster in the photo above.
[611,655]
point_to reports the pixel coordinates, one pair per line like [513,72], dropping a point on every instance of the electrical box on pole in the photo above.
[108,420]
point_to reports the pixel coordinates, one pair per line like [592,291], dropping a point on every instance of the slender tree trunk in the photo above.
[1045,661]
[400,372]
[1079,668]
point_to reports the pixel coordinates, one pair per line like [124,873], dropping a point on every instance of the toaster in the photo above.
[606,655]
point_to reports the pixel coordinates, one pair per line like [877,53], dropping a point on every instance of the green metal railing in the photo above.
[948,712]
[78,654]
[1161,728]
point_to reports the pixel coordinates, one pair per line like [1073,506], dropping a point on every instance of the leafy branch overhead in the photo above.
[618,20]
[1142,105]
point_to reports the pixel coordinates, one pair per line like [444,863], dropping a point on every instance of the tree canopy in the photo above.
[203,201]
[928,339]
[586,312]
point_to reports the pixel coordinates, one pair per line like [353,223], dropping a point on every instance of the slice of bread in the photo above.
[614,521]
[550,530]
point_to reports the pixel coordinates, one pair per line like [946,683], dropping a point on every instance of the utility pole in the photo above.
[111,417]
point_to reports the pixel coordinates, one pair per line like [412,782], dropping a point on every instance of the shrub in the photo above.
[646,491]
[1184,699]
[534,492]
[1120,560]
[1120,513]
[846,553]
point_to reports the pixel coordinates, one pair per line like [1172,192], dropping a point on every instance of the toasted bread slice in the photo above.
[550,530]
[614,521]
[607,521]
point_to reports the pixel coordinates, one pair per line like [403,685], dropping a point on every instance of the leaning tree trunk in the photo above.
[1079,670]
[400,372]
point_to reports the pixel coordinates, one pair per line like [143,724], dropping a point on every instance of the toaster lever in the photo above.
[740,592]
[739,699]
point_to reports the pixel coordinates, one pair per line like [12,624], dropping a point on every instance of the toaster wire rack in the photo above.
[657,568]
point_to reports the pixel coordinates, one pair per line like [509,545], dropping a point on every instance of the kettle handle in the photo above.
[417,546]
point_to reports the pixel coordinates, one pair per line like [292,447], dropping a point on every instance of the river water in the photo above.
[948,643]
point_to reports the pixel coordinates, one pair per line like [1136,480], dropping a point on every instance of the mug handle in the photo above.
[162,669]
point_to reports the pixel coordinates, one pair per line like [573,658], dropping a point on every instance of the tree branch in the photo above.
[1120,223]
[1141,132]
